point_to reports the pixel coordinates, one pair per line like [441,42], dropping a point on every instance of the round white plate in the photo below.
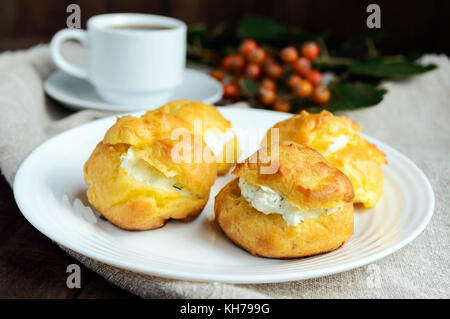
[79,94]
[49,185]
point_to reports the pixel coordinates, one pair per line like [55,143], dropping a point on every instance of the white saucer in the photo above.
[79,94]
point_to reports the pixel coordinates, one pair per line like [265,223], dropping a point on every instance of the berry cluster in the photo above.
[290,69]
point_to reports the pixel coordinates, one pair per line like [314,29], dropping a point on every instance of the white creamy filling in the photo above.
[143,172]
[216,141]
[339,142]
[267,201]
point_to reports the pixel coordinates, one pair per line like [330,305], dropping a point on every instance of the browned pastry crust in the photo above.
[306,181]
[212,120]
[303,176]
[136,203]
[270,236]
[360,160]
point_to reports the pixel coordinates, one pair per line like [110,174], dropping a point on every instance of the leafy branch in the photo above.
[358,65]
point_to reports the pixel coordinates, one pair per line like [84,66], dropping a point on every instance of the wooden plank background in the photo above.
[405,24]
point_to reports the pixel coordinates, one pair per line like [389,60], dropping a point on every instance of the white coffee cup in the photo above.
[128,65]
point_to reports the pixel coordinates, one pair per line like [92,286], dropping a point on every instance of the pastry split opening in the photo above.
[142,171]
[267,201]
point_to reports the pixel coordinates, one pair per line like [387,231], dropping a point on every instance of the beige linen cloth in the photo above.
[414,117]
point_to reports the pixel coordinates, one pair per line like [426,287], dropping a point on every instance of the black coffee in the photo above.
[140,27]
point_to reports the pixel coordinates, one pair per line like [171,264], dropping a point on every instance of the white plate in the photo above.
[198,250]
[79,94]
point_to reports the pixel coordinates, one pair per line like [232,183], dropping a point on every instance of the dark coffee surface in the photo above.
[140,27]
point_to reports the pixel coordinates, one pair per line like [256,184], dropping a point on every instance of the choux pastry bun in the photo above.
[303,207]
[337,139]
[136,179]
[215,129]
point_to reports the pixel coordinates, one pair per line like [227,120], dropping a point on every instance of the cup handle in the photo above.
[55,45]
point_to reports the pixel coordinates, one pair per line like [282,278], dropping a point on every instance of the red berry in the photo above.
[293,80]
[269,59]
[310,50]
[314,77]
[267,97]
[273,71]
[268,84]
[302,66]
[233,62]
[231,91]
[218,75]
[256,56]
[282,105]
[248,46]
[289,54]
[253,70]
[321,94]
[302,89]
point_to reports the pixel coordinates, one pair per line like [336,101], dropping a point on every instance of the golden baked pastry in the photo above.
[215,129]
[303,208]
[137,175]
[337,139]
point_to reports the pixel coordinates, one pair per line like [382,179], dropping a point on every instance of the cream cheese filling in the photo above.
[143,172]
[339,142]
[267,201]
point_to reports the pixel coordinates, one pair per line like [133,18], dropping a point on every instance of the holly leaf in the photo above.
[391,70]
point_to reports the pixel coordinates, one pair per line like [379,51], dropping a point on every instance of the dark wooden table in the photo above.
[32,266]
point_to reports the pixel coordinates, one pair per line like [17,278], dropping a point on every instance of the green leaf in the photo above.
[391,70]
[413,55]
[324,62]
[197,31]
[345,96]
[260,29]
[268,31]
[249,89]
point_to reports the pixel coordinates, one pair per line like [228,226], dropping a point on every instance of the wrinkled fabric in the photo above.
[413,117]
